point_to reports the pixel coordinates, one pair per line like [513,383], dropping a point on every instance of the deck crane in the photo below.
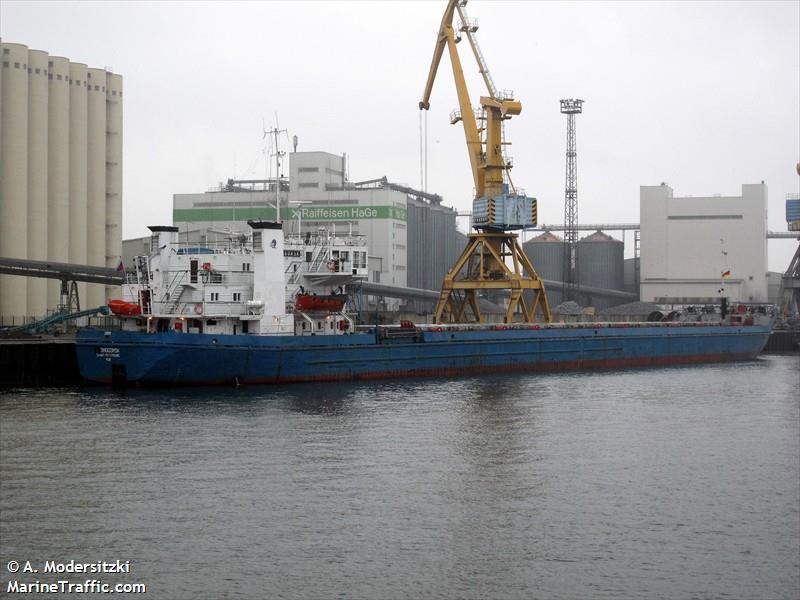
[498,207]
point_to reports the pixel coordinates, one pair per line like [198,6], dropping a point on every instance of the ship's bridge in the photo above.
[324,259]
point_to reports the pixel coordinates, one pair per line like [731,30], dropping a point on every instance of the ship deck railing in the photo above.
[315,239]
[215,247]
[199,310]
[535,326]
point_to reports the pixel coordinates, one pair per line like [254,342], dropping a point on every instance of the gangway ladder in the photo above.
[175,292]
[173,307]
[322,255]
[291,276]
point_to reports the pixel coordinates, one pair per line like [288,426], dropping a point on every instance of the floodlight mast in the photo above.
[571,107]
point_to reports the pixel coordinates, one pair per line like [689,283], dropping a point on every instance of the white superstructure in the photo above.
[255,284]
[696,248]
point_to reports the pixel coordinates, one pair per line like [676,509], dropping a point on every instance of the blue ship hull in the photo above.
[173,358]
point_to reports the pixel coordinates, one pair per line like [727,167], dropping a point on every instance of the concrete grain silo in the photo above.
[78,112]
[14,175]
[601,262]
[57,170]
[546,253]
[37,176]
[60,174]
[96,180]
[113,174]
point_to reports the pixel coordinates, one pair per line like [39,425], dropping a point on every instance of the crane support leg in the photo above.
[483,265]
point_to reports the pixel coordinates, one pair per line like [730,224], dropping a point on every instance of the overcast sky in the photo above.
[704,96]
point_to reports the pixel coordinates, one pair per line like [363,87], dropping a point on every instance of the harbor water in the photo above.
[655,483]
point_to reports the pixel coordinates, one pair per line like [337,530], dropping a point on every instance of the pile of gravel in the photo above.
[633,309]
[570,307]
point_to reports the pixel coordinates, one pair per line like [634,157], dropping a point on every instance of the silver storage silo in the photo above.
[415,239]
[546,253]
[431,240]
[631,274]
[443,240]
[601,262]
[434,244]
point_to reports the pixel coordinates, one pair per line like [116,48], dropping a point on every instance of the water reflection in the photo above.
[631,484]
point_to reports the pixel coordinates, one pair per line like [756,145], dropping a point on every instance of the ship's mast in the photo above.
[275,132]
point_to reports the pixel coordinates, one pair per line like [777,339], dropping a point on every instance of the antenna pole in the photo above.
[278,154]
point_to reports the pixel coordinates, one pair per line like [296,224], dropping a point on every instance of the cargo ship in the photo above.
[265,308]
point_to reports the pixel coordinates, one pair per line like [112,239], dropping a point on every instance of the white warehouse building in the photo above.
[694,250]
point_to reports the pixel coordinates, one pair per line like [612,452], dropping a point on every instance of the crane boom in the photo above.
[446,37]
[495,208]
[438,50]
[469,30]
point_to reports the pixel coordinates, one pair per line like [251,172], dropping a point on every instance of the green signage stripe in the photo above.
[288,213]
[222,214]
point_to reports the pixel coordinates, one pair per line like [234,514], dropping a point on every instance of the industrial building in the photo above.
[412,237]
[60,173]
[697,249]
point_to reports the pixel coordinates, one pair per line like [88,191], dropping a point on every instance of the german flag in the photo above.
[726,274]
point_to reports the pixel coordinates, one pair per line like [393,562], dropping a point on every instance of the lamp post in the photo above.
[300,204]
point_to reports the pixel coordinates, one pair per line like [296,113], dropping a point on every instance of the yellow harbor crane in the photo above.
[498,206]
